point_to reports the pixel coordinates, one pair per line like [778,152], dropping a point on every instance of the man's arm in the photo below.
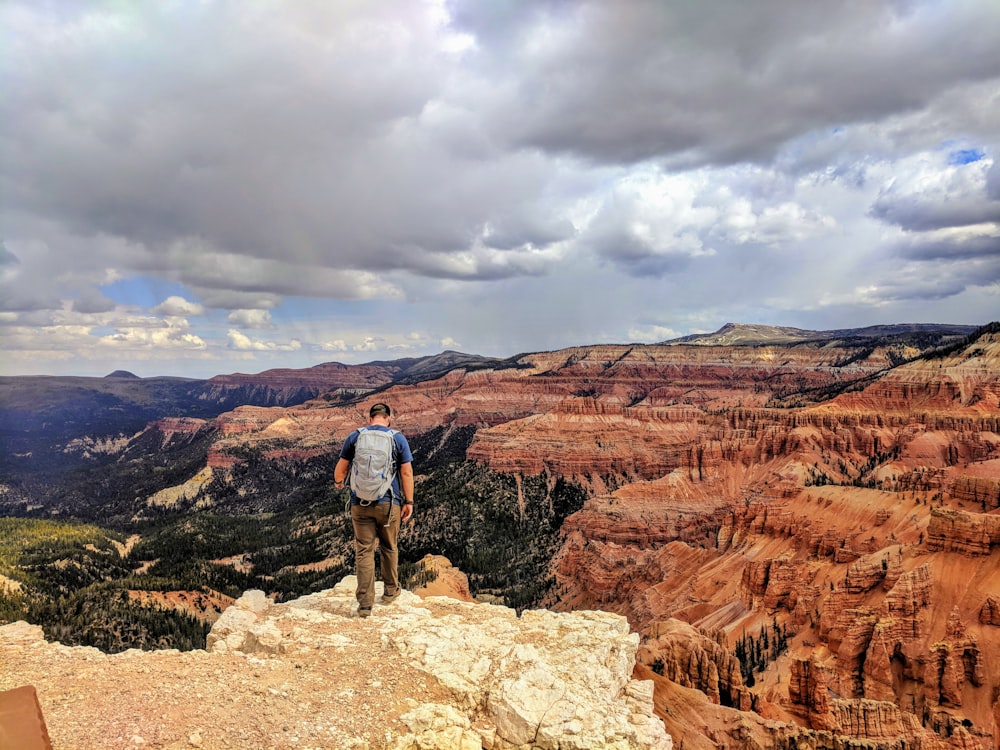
[344,464]
[340,473]
[406,484]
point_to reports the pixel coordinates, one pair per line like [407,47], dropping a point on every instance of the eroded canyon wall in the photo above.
[817,492]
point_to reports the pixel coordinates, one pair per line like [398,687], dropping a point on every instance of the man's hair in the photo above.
[379,408]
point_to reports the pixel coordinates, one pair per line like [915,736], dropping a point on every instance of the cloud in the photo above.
[242,342]
[178,307]
[254,319]
[656,224]
[951,245]
[993,181]
[719,83]
[939,192]
[7,258]
[652,334]
[337,345]
[91,301]
[172,337]
[370,344]
[512,176]
[306,174]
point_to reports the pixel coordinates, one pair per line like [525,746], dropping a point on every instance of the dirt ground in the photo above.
[343,692]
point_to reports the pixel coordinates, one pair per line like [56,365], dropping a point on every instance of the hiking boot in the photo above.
[389,598]
[364,612]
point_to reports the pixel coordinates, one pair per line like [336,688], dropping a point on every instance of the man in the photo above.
[376,521]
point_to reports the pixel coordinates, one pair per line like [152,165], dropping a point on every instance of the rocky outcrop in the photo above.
[774,584]
[870,571]
[870,723]
[859,626]
[436,576]
[898,636]
[879,722]
[983,491]
[952,530]
[808,690]
[417,674]
[284,386]
[542,680]
[957,659]
[990,612]
[691,658]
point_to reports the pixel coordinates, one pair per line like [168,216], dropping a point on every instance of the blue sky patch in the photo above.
[965,156]
[145,291]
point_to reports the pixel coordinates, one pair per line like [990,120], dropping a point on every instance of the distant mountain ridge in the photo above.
[123,401]
[752,334]
[41,414]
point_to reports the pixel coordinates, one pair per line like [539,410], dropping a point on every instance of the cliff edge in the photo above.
[420,673]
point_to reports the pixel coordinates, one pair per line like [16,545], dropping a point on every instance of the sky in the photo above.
[199,187]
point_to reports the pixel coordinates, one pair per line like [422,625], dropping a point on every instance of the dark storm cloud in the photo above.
[632,258]
[174,124]
[939,278]
[329,136]
[91,302]
[920,214]
[985,247]
[926,211]
[276,142]
[27,301]
[719,82]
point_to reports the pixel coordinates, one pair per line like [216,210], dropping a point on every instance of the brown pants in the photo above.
[375,526]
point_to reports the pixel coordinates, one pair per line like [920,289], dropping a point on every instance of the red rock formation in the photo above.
[692,658]
[990,613]
[807,689]
[983,491]
[438,577]
[967,533]
[884,622]
[877,721]
[166,431]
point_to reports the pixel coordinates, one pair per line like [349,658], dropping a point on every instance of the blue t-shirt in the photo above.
[401,456]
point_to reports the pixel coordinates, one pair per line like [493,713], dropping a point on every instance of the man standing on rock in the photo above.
[381,472]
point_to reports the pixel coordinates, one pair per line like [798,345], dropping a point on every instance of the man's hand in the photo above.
[407,512]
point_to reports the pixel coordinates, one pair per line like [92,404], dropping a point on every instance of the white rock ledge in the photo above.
[546,680]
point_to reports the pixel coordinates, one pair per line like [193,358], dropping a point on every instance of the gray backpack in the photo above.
[374,464]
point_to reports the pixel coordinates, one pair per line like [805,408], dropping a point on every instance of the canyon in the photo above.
[826,507]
